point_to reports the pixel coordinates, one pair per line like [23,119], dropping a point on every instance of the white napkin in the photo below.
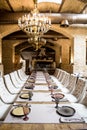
[71,120]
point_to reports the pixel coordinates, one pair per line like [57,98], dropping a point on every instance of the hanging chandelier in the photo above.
[37,42]
[34,24]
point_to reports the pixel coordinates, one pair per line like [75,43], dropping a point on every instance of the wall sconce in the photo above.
[64,23]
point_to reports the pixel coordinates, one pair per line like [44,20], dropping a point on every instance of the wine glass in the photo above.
[51,90]
[57,97]
[25,108]
[30,95]
[56,101]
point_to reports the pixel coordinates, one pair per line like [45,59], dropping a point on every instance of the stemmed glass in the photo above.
[57,97]
[51,90]
[25,110]
[30,95]
[57,102]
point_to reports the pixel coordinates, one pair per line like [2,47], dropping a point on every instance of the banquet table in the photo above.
[43,114]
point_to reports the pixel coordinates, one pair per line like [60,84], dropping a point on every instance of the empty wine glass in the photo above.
[25,108]
[57,97]
[56,101]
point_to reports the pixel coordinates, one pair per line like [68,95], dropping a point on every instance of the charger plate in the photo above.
[20,111]
[66,111]
[24,96]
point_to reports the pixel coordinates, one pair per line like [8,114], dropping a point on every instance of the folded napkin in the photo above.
[71,120]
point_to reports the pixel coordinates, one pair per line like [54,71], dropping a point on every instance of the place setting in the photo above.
[21,111]
[34,96]
[57,95]
[18,113]
[66,113]
[26,95]
[29,85]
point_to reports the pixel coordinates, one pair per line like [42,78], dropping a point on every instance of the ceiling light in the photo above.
[34,24]
[54,1]
[37,42]
[64,23]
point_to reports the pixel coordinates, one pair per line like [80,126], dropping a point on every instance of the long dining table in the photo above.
[43,115]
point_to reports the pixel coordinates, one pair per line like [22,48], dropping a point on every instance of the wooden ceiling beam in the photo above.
[8,2]
[61,5]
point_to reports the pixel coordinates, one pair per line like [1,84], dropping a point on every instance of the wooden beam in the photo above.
[9,4]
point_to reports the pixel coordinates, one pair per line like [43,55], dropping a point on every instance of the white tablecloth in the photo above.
[38,97]
[40,113]
[41,87]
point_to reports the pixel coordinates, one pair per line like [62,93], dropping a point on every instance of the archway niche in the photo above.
[42,59]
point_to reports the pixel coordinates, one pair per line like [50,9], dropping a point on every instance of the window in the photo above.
[55,1]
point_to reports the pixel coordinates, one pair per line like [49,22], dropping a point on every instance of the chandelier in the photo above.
[37,42]
[34,24]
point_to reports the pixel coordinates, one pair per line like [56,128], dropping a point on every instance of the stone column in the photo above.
[79,53]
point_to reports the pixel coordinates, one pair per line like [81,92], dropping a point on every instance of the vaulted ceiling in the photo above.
[64,6]
[10,10]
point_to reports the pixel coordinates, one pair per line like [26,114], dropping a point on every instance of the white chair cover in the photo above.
[9,84]
[4,109]
[5,95]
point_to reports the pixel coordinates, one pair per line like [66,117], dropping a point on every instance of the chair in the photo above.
[10,86]
[78,91]
[61,76]
[21,75]
[65,80]
[56,72]
[72,82]
[5,95]
[4,109]
[17,78]
[14,81]
[84,97]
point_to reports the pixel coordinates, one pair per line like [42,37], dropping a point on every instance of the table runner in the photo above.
[40,113]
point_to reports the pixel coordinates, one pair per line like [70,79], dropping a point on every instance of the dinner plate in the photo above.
[57,95]
[20,111]
[24,96]
[66,111]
